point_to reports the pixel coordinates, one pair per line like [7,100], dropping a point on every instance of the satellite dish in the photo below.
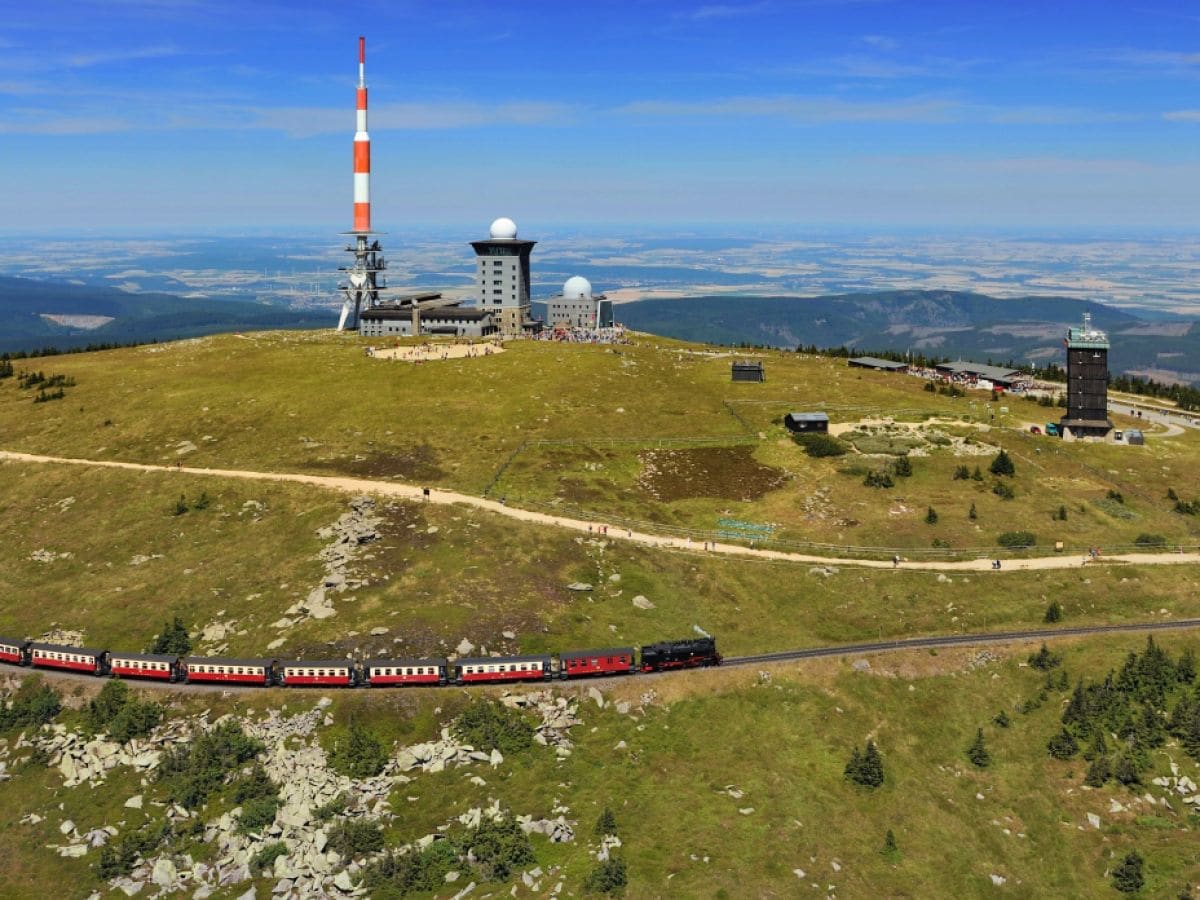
[358,279]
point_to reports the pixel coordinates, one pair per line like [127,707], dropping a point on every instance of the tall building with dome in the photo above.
[502,276]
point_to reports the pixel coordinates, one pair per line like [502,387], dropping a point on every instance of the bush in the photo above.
[609,877]
[257,814]
[332,809]
[1001,719]
[1054,612]
[488,725]
[1044,660]
[360,754]
[194,771]
[352,838]
[931,516]
[499,848]
[820,446]
[1062,745]
[1098,773]
[264,859]
[181,506]
[606,824]
[1060,514]
[879,479]
[173,639]
[1016,540]
[33,704]
[136,719]
[962,473]
[890,851]
[902,467]
[972,514]
[110,701]
[865,768]
[1002,465]
[1150,540]
[1003,491]
[977,475]
[413,872]
[1116,496]
[1127,877]
[120,855]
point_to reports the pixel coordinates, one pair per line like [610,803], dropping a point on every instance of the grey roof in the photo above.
[317,663]
[144,657]
[874,362]
[808,417]
[446,314]
[994,373]
[14,642]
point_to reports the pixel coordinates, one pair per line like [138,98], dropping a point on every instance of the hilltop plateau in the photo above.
[648,438]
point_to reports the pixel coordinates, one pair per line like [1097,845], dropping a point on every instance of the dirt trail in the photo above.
[410,492]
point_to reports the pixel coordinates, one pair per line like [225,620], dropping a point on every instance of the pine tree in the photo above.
[873,765]
[1002,465]
[1001,719]
[1062,745]
[1098,772]
[1054,612]
[1098,746]
[1126,772]
[606,824]
[173,639]
[890,851]
[1186,667]
[978,752]
[1127,877]
[971,514]
[977,475]
[931,516]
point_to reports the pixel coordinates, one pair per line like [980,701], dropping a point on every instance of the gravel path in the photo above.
[414,493]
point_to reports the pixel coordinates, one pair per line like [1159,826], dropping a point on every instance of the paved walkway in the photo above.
[411,492]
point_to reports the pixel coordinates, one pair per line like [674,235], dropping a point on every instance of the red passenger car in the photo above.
[582,663]
[502,668]
[14,651]
[303,673]
[75,659]
[144,665]
[385,672]
[229,671]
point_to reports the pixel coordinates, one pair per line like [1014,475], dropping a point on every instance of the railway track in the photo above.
[832,650]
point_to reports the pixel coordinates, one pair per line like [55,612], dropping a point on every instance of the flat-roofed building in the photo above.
[578,307]
[452,321]
[873,362]
[1087,384]
[502,277]
[1001,376]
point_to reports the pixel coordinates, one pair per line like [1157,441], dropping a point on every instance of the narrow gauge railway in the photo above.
[366,673]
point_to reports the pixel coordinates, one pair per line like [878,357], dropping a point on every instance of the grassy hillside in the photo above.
[735,809]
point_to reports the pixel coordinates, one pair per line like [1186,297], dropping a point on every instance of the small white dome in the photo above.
[577,288]
[504,229]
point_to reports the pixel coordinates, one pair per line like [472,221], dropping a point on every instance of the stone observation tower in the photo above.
[1087,384]
[503,277]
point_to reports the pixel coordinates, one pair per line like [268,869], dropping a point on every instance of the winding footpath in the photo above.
[416,494]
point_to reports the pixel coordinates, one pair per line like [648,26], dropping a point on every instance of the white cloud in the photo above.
[808,110]
[1183,115]
[85,60]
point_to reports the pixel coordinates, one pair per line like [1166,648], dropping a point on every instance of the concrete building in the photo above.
[748,370]
[578,307]
[873,362]
[1087,384]
[999,376]
[396,321]
[502,276]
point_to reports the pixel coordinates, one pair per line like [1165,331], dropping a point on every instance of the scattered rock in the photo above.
[579,586]
[642,603]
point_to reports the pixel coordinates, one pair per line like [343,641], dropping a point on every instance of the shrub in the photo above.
[1127,877]
[488,725]
[609,877]
[352,838]
[878,479]
[962,473]
[1016,540]
[931,516]
[181,506]
[902,467]
[972,514]
[1150,540]
[360,754]
[1060,514]
[1098,773]
[820,446]
[1003,491]
[264,859]
[890,851]
[110,701]
[1125,771]
[412,872]
[1002,465]
[34,703]
[258,813]
[1054,612]
[1062,745]
[977,475]
[120,855]
[865,768]
[1116,496]
[173,639]
[1001,719]
[332,809]
[499,847]
[977,753]
[136,719]
[202,502]
[193,771]
[606,824]
[1044,660]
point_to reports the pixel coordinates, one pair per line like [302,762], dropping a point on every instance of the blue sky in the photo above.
[866,114]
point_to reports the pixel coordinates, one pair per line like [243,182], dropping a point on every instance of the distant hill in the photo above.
[35,314]
[945,323]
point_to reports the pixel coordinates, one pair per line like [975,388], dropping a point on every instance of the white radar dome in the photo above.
[577,288]
[504,229]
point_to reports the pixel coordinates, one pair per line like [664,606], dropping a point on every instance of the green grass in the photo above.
[783,741]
